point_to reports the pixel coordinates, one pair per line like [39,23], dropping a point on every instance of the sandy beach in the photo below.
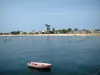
[91,34]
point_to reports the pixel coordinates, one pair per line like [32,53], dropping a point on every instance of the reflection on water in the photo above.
[39,70]
[8,39]
[48,39]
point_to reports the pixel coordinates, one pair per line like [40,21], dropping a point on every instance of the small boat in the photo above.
[39,65]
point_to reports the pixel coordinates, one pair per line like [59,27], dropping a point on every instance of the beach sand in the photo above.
[91,34]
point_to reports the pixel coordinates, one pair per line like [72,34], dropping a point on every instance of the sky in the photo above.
[29,15]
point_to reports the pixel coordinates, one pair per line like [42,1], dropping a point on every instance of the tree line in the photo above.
[61,31]
[53,31]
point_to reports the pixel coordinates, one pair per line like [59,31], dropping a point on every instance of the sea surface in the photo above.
[69,55]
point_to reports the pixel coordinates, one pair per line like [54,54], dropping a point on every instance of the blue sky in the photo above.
[28,15]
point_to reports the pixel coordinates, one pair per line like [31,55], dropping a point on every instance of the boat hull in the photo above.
[39,65]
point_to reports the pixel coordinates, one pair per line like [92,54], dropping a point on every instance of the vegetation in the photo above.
[53,31]
[76,29]
[24,33]
[15,32]
[1,33]
[97,29]
[48,28]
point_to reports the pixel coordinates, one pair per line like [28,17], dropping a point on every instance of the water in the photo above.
[69,55]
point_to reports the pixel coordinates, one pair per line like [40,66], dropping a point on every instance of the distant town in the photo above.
[50,30]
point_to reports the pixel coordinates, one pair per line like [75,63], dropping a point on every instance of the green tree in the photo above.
[53,29]
[24,33]
[76,29]
[48,28]
[84,30]
[97,29]
[1,33]
[64,31]
[15,32]
[69,30]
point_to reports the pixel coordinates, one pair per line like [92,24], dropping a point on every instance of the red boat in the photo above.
[39,65]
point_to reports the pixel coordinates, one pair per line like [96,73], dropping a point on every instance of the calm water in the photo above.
[70,55]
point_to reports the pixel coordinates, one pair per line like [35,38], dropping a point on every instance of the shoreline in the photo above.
[91,34]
